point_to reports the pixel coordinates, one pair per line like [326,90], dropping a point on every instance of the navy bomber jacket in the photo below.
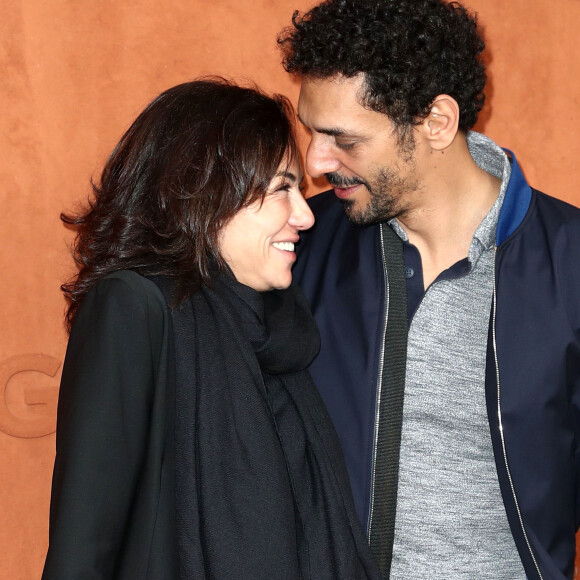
[533,362]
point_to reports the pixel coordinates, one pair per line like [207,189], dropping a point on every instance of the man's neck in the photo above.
[457,195]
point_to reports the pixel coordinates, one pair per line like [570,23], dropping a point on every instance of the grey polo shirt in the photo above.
[450,520]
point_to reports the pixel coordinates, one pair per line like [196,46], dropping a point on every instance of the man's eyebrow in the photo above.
[332,131]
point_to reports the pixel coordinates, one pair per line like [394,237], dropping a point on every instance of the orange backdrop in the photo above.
[76,73]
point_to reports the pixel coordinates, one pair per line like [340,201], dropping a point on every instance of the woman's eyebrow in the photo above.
[286,174]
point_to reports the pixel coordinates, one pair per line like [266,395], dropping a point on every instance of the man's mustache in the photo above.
[337,180]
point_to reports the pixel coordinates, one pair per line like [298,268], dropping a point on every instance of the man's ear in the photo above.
[441,124]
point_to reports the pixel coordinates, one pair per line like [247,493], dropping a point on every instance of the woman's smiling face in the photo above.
[258,242]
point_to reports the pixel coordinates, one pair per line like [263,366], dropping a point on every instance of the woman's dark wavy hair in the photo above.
[193,158]
[410,51]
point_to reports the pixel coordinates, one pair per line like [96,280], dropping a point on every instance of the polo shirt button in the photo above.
[409,272]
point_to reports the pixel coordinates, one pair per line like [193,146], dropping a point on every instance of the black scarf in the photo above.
[261,487]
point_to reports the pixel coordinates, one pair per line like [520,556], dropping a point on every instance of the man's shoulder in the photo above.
[329,216]
[334,243]
[555,216]
[556,207]
[324,202]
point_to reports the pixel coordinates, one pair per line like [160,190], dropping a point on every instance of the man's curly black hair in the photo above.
[410,51]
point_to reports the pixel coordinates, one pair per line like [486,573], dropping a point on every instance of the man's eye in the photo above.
[345,146]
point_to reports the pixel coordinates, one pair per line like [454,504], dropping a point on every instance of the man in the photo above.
[448,301]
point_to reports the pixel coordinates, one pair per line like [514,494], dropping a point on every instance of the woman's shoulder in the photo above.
[130,280]
[124,299]
[129,286]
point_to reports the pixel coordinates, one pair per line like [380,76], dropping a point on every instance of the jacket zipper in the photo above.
[501,433]
[379,386]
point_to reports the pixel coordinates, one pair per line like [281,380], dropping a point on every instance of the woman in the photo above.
[191,443]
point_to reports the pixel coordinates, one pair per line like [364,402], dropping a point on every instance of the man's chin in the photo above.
[360,216]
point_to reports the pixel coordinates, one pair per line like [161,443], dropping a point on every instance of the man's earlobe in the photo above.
[441,125]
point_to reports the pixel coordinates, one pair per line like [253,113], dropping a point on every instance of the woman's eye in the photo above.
[283,187]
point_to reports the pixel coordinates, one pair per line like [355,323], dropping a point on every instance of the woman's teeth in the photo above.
[286,246]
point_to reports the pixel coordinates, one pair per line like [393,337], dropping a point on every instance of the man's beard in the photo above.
[386,195]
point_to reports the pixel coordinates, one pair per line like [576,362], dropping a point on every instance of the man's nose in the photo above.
[320,158]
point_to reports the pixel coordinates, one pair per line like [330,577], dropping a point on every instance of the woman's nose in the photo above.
[301,217]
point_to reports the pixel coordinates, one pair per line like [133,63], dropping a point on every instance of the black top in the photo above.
[260,489]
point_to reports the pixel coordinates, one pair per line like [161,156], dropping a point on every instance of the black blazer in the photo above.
[116,505]
[269,490]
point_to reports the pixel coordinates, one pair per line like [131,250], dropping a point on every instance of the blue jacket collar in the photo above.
[516,203]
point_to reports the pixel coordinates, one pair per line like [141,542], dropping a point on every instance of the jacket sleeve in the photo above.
[102,428]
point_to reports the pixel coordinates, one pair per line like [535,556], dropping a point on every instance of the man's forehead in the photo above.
[333,106]
[336,87]
[318,96]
